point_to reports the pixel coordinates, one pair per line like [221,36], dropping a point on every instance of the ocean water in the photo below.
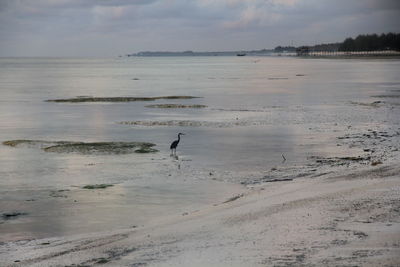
[258,109]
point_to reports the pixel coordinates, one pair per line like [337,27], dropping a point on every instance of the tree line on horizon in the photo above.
[372,42]
[363,42]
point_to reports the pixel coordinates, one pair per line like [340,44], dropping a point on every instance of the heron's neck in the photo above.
[179,137]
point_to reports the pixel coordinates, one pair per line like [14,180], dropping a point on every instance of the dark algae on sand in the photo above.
[116,99]
[175,106]
[86,148]
[97,186]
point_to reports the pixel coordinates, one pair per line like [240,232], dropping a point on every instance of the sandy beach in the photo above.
[346,220]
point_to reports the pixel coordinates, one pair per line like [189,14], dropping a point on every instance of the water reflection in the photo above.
[265,117]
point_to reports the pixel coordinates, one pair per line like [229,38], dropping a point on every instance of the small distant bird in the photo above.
[175,144]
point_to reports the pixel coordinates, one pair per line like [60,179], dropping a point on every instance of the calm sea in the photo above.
[257,110]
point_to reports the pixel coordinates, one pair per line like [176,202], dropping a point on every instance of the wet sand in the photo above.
[350,219]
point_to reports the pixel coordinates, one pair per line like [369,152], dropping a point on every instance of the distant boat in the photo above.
[241,54]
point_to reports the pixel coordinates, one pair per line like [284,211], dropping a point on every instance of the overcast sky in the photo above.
[117,27]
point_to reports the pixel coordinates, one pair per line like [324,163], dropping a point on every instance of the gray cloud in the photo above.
[111,27]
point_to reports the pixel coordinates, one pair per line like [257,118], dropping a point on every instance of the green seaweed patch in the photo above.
[233,198]
[15,143]
[189,123]
[35,143]
[86,148]
[175,106]
[374,104]
[102,148]
[117,99]
[340,160]
[278,78]
[146,150]
[97,186]
[102,260]
[12,215]
[388,96]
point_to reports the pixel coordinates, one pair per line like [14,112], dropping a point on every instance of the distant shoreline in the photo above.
[352,56]
[271,53]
